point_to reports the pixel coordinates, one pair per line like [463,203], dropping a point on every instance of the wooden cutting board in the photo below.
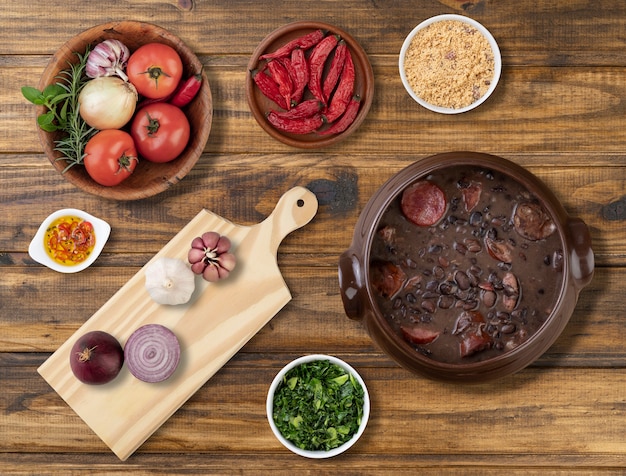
[219,319]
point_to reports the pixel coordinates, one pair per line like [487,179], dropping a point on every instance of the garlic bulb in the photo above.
[169,281]
[108,58]
[209,256]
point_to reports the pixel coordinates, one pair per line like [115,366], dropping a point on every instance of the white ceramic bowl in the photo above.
[270,407]
[485,33]
[37,251]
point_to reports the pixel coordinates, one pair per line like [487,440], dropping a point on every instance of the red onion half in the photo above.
[96,358]
[152,353]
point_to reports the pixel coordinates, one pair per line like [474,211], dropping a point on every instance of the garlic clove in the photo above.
[211,273]
[197,243]
[228,261]
[169,281]
[195,255]
[210,239]
[223,245]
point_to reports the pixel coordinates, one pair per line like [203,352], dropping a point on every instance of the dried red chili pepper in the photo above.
[344,121]
[186,90]
[304,42]
[268,87]
[282,78]
[336,65]
[344,91]
[296,126]
[317,61]
[300,69]
[302,110]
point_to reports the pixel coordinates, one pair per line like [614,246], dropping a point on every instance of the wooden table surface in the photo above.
[559,110]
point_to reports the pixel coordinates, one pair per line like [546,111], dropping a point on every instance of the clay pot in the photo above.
[359,299]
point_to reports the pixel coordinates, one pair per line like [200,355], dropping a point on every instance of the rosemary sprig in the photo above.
[63,111]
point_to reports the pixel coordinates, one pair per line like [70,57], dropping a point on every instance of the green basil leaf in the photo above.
[33,95]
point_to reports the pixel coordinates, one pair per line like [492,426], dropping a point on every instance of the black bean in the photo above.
[503,316]
[473,246]
[446,302]
[435,249]
[476,270]
[519,314]
[489,298]
[475,218]
[447,288]
[462,280]
[438,272]
[508,328]
[460,247]
[410,298]
[432,285]
[470,305]
[429,306]
[498,221]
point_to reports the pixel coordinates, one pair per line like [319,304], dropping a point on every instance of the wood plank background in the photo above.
[560,111]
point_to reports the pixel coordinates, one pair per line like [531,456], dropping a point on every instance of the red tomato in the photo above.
[110,157]
[155,70]
[160,132]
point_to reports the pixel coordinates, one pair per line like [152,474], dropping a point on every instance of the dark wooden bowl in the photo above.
[260,105]
[149,178]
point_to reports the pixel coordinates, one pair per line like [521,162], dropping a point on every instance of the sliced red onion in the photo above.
[152,353]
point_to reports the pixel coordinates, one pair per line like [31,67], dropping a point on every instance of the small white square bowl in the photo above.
[37,251]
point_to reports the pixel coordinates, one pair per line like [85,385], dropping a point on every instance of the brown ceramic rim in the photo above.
[504,363]
[260,105]
[149,178]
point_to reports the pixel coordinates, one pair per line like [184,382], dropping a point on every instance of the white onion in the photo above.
[107,102]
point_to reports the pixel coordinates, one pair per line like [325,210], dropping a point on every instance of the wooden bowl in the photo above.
[148,178]
[260,105]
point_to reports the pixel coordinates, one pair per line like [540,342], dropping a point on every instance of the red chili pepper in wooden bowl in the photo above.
[282,78]
[304,42]
[187,90]
[269,88]
[344,91]
[296,126]
[300,69]
[344,121]
[305,109]
[317,61]
[334,71]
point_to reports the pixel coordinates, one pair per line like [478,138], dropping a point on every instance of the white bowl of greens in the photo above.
[318,406]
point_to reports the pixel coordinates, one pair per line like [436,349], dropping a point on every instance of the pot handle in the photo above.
[581,258]
[351,284]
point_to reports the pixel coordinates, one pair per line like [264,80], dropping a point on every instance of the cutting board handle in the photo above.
[294,209]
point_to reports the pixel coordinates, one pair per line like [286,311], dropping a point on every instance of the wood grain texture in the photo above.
[559,110]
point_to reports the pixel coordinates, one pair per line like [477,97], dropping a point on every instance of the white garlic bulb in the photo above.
[169,281]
